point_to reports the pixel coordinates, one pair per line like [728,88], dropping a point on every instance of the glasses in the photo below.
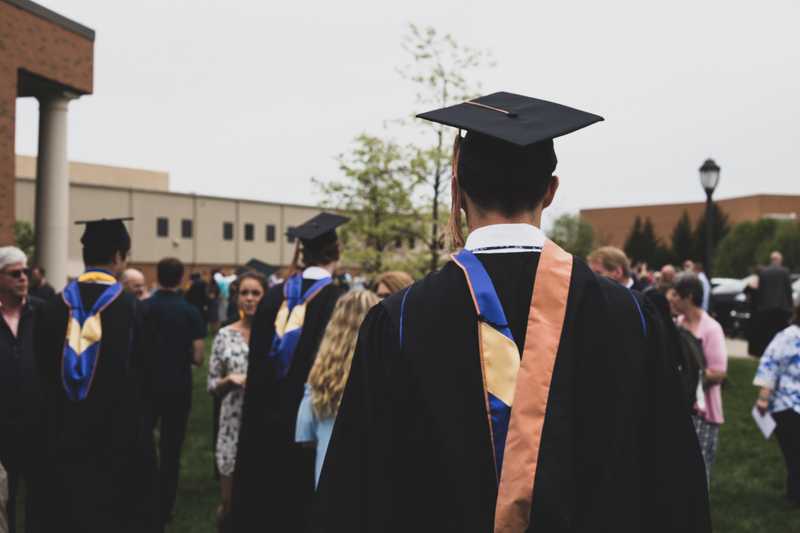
[17,274]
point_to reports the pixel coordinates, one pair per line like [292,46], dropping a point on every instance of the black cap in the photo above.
[319,230]
[513,118]
[105,232]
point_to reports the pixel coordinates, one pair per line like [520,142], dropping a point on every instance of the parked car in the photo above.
[796,291]
[730,302]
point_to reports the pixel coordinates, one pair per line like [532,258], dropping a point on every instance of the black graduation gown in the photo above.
[274,476]
[411,448]
[99,471]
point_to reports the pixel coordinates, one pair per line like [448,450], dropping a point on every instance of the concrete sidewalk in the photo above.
[737,348]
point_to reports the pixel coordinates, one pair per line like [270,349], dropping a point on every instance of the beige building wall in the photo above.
[91,174]
[212,247]
[207,247]
[261,216]
[147,208]
[292,217]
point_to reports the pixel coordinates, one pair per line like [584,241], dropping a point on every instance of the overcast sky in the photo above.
[251,99]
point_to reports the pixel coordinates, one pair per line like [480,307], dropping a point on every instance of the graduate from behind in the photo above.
[90,346]
[273,480]
[513,390]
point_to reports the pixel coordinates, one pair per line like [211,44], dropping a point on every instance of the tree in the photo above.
[642,245]
[573,234]
[682,240]
[375,190]
[738,252]
[719,229]
[787,242]
[633,244]
[25,237]
[439,70]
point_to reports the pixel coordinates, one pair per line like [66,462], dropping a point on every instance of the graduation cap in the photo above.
[318,231]
[105,232]
[512,118]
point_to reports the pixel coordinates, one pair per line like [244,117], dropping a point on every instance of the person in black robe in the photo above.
[99,469]
[274,476]
[413,448]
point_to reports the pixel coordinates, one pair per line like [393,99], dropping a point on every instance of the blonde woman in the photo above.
[391,282]
[227,374]
[328,376]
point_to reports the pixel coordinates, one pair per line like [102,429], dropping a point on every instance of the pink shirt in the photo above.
[712,338]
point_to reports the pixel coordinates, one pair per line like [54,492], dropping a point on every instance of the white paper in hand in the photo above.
[764,422]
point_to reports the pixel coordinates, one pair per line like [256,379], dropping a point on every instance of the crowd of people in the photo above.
[684,299]
[517,387]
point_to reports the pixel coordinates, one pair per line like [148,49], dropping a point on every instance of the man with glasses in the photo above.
[20,401]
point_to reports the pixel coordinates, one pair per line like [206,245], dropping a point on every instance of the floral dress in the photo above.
[228,356]
[779,370]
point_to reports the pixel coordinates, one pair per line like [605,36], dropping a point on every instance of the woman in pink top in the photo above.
[686,300]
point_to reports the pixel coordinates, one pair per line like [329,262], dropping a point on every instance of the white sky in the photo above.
[251,99]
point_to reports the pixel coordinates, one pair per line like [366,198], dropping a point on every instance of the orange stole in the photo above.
[542,338]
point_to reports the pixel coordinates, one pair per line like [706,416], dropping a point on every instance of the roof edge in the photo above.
[698,202]
[185,194]
[51,16]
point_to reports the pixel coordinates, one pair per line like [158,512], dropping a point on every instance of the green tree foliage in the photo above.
[682,239]
[719,229]
[573,234]
[746,245]
[786,241]
[25,238]
[439,71]
[633,244]
[376,191]
[642,245]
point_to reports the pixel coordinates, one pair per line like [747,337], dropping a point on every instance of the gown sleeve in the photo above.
[674,473]
[354,490]
[633,427]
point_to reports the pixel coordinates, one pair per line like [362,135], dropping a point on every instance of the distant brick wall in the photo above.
[612,225]
[45,49]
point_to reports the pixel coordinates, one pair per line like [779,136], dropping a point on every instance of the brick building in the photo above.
[46,56]
[613,224]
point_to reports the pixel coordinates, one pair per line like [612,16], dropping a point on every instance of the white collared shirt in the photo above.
[315,273]
[505,238]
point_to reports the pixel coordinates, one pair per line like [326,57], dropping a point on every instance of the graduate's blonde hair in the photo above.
[332,366]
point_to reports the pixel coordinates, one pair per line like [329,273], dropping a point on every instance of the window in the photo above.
[289,238]
[186,228]
[249,232]
[227,231]
[398,242]
[270,232]
[412,242]
[162,227]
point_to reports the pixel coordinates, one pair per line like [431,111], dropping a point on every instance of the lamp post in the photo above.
[709,179]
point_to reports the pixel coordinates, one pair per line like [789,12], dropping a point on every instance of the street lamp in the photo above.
[709,179]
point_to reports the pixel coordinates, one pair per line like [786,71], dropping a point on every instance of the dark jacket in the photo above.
[774,289]
[20,391]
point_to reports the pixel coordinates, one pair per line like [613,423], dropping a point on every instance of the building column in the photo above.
[52,189]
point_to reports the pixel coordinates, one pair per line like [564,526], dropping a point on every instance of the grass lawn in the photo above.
[747,484]
[746,489]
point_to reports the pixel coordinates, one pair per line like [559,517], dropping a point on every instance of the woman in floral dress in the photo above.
[778,378]
[227,373]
